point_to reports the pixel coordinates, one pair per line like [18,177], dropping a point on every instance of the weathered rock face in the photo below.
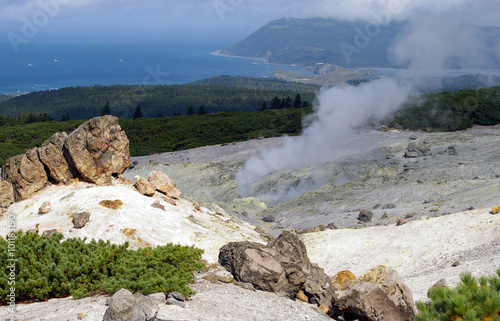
[281,266]
[125,306]
[378,295]
[6,194]
[99,149]
[51,155]
[26,173]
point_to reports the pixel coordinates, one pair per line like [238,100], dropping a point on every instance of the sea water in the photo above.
[45,65]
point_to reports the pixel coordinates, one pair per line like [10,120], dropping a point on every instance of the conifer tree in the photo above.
[297,102]
[106,110]
[138,112]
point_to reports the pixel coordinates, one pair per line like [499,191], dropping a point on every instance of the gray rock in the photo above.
[80,219]
[159,297]
[268,219]
[388,206]
[174,301]
[125,306]
[365,216]
[177,295]
[282,266]
[451,150]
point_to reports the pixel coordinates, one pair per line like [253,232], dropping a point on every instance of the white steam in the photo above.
[338,112]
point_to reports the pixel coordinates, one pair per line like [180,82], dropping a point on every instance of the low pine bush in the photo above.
[47,267]
[471,300]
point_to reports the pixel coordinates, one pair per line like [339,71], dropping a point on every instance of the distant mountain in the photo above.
[307,42]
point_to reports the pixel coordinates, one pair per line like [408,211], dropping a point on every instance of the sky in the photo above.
[207,20]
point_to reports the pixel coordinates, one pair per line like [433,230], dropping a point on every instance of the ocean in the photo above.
[47,65]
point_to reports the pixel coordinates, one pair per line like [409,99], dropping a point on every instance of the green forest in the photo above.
[156,101]
[275,116]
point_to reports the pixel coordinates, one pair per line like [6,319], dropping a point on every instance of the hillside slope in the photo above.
[348,44]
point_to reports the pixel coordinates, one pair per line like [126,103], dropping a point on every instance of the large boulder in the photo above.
[26,173]
[52,156]
[282,266]
[6,195]
[125,306]
[378,295]
[99,149]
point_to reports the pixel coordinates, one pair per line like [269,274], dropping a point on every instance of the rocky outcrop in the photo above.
[377,295]
[282,266]
[323,69]
[51,155]
[125,306]
[98,150]
[6,195]
[26,173]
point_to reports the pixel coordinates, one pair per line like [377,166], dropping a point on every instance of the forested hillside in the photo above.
[155,101]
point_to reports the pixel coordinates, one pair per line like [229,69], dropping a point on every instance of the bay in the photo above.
[47,65]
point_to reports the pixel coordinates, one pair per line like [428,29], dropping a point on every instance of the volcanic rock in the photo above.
[281,266]
[377,295]
[365,216]
[164,184]
[51,155]
[26,173]
[80,219]
[143,186]
[99,149]
[125,306]
[6,194]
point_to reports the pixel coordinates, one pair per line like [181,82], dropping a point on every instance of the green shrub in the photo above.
[48,268]
[471,300]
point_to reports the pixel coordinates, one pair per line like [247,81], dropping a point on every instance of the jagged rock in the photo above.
[365,216]
[99,149]
[164,184]
[80,219]
[197,206]
[282,266]
[144,186]
[125,306]
[495,210]
[26,173]
[6,194]
[378,295]
[173,301]
[45,208]
[340,279]
[52,156]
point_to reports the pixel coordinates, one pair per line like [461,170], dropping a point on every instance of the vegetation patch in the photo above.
[47,267]
[471,300]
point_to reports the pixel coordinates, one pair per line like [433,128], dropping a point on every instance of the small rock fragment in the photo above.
[455,264]
[158,205]
[45,208]
[384,216]
[177,295]
[401,221]
[173,301]
[340,279]
[365,216]
[80,219]
[144,186]
[388,206]
[211,278]
[302,296]
[495,210]
[81,316]
[50,232]
[114,205]
[268,219]
[197,206]
[324,309]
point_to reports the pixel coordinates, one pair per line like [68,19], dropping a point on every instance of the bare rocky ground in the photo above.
[371,173]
